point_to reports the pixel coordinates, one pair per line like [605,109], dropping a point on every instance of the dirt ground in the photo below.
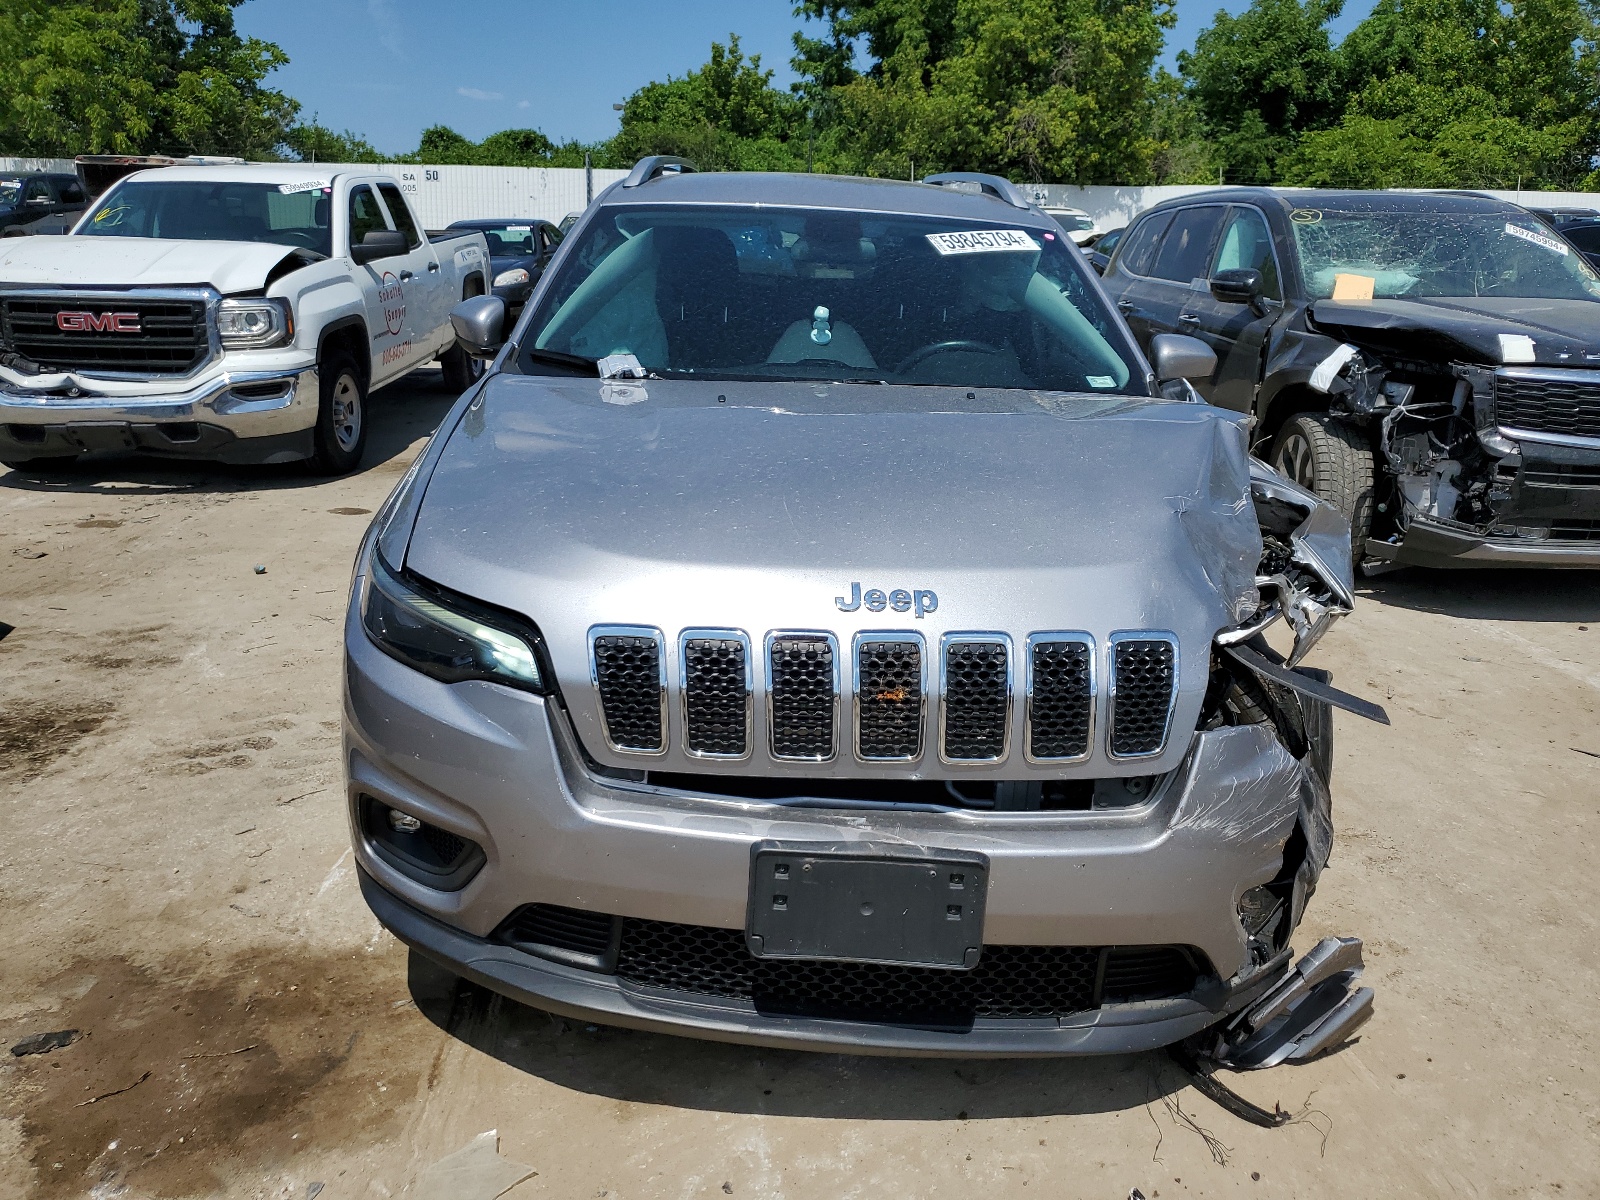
[176,885]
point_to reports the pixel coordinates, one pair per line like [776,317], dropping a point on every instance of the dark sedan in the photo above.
[519,250]
[25,199]
[1428,363]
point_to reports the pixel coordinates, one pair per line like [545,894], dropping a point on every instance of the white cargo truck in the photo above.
[236,313]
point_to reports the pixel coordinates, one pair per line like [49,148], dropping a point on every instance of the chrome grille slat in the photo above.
[890,696]
[627,666]
[1143,690]
[716,692]
[975,710]
[802,696]
[1061,697]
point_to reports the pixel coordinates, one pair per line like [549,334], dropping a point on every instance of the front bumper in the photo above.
[502,768]
[261,416]
[1428,544]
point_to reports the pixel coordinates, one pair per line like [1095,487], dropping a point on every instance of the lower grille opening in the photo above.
[180,431]
[1561,475]
[31,435]
[574,935]
[1575,531]
[427,853]
[271,390]
[1008,982]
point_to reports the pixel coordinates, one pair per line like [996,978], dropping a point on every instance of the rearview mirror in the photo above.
[1236,285]
[479,322]
[379,243]
[1177,356]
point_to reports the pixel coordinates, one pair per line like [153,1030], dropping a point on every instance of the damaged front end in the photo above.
[1484,456]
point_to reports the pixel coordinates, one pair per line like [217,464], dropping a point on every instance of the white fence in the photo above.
[30,166]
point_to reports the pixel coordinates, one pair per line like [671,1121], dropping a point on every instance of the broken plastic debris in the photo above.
[620,366]
[260,570]
[43,1043]
[474,1172]
[6,629]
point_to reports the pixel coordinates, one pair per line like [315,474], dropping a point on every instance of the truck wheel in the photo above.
[461,370]
[1332,459]
[341,432]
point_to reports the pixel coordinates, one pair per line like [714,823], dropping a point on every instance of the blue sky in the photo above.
[387,69]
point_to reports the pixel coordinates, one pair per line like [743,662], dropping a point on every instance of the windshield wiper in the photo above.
[562,359]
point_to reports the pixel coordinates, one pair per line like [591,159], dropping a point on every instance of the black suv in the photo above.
[28,198]
[1430,363]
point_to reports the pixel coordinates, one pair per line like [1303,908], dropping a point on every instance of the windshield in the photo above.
[1388,255]
[764,293]
[10,192]
[288,214]
[510,240]
[1074,221]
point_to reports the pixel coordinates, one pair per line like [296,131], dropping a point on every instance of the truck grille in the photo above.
[716,695]
[889,699]
[1143,670]
[977,700]
[1060,699]
[107,333]
[718,700]
[630,676]
[1009,981]
[803,696]
[1559,406]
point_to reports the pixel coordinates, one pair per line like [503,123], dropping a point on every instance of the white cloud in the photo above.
[389,33]
[524,103]
[477,94]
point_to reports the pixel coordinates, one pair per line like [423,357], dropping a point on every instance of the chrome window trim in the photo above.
[1139,635]
[725,635]
[634,631]
[818,635]
[976,638]
[1045,638]
[210,298]
[888,635]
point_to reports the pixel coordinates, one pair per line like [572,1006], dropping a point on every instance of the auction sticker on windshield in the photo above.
[1538,239]
[983,241]
[310,185]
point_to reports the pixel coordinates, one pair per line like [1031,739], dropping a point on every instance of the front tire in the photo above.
[1332,459]
[461,370]
[340,437]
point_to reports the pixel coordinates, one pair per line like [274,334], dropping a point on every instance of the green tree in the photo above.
[136,76]
[1262,78]
[1056,90]
[316,143]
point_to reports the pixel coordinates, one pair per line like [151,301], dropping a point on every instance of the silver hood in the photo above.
[685,505]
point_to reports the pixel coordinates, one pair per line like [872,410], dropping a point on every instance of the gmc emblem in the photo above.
[106,322]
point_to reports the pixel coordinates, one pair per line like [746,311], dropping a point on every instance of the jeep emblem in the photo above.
[921,601]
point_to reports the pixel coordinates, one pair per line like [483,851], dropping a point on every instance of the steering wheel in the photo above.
[917,357]
[299,237]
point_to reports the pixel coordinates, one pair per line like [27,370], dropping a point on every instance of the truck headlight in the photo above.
[434,635]
[509,278]
[254,324]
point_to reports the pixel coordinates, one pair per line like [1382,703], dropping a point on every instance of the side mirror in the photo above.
[1237,285]
[1098,261]
[379,243]
[1178,356]
[479,322]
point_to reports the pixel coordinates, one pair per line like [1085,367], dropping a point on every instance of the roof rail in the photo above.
[994,185]
[657,165]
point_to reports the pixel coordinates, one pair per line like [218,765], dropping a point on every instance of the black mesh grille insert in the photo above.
[1059,718]
[445,844]
[1548,405]
[802,698]
[1009,981]
[1143,673]
[165,337]
[571,929]
[976,700]
[628,670]
[889,699]
[715,698]
[1147,973]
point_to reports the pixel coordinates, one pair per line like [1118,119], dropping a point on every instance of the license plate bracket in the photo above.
[869,903]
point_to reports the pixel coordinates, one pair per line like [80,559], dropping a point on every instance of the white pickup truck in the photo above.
[236,313]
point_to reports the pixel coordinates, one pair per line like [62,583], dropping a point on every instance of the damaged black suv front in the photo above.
[1429,363]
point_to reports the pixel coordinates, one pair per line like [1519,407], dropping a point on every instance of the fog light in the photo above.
[405,823]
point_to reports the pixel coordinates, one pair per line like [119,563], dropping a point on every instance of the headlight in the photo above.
[254,324]
[444,642]
[508,278]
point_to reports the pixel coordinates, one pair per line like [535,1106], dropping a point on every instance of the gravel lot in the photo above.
[176,884]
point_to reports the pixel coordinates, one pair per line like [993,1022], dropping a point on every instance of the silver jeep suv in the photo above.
[822,628]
